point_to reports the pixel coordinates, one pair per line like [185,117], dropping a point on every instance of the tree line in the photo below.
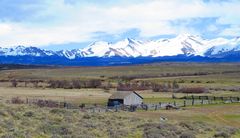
[121,86]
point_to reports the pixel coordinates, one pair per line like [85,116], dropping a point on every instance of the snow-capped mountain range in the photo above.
[184,44]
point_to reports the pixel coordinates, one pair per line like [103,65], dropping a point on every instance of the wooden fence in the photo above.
[186,101]
[193,97]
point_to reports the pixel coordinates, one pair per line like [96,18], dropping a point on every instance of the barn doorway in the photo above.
[115,102]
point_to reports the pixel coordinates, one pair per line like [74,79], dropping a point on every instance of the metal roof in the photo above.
[123,94]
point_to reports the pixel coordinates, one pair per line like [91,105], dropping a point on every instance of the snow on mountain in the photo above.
[97,49]
[21,51]
[67,53]
[221,46]
[182,44]
[185,44]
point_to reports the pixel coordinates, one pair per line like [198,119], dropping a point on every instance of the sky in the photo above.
[68,24]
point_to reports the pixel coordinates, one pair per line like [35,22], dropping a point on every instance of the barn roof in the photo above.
[123,94]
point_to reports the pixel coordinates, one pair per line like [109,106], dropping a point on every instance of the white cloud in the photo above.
[232,31]
[27,35]
[5,29]
[77,22]
[212,28]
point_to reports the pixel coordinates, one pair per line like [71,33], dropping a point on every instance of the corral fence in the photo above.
[214,98]
[67,105]
[175,104]
[185,101]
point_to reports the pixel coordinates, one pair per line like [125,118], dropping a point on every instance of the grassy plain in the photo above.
[31,121]
[223,79]
[98,72]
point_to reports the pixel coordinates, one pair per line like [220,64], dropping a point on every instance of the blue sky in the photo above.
[61,24]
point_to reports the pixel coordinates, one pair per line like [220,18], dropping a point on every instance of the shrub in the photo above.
[160,88]
[198,81]
[175,85]
[28,114]
[222,135]
[14,83]
[210,82]
[187,134]
[186,125]
[160,130]
[46,103]
[17,100]
[143,85]
[55,129]
[76,84]
[94,83]
[225,132]
[66,85]
[86,116]
[3,113]
[193,90]
[35,84]
[181,81]
[58,111]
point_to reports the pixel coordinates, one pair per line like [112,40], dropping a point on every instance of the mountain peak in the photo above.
[19,47]
[99,43]
[183,44]
[133,41]
[186,36]
[130,39]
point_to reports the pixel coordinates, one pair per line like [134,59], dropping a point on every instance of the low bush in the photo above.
[3,113]
[14,83]
[58,111]
[161,130]
[17,100]
[225,132]
[193,90]
[187,134]
[221,135]
[28,114]
[75,84]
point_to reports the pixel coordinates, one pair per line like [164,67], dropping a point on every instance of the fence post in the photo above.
[192,101]
[160,104]
[64,105]
[184,103]
[174,103]
[202,102]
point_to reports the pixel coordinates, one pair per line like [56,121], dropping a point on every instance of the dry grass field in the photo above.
[206,121]
[215,120]
[97,72]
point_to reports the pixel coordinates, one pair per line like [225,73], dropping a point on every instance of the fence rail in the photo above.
[186,101]
[211,98]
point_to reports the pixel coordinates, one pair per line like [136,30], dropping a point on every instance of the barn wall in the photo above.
[132,99]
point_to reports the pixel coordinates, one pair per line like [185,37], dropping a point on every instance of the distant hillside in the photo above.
[21,66]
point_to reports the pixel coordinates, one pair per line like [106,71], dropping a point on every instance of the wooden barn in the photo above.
[125,98]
